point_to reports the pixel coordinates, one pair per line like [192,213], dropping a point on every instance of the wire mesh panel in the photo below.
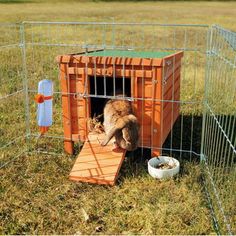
[219,139]
[160,69]
[45,41]
[12,109]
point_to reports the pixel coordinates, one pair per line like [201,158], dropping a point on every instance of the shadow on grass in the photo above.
[183,143]
[185,136]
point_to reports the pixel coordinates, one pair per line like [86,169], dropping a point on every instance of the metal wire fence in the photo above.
[205,128]
[44,44]
[218,147]
[12,113]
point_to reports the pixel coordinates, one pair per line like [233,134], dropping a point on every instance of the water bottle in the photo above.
[44,100]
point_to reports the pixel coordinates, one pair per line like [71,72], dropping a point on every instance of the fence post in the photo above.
[207,69]
[25,83]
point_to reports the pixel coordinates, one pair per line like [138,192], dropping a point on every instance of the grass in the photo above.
[38,198]
[36,195]
[222,13]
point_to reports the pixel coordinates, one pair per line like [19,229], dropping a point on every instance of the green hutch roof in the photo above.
[129,54]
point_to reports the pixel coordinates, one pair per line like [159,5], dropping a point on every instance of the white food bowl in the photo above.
[162,173]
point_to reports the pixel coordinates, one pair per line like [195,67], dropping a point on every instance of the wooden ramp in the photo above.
[97,164]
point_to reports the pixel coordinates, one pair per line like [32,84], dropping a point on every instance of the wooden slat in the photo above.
[156,112]
[174,58]
[108,71]
[168,96]
[168,123]
[170,69]
[109,60]
[175,77]
[67,120]
[97,164]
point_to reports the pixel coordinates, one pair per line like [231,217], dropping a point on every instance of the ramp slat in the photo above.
[97,164]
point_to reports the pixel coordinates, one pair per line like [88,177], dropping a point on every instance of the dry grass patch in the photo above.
[154,11]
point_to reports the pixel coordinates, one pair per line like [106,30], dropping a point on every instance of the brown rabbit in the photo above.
[119,121]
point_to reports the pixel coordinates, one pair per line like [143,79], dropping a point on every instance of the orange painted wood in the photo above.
[169,122]
[174,58]
[153,79]
[109,60]
[83,116]
[156,141]
[119,72]
[66,116]
[170,69]
[171,81]
[97,164]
